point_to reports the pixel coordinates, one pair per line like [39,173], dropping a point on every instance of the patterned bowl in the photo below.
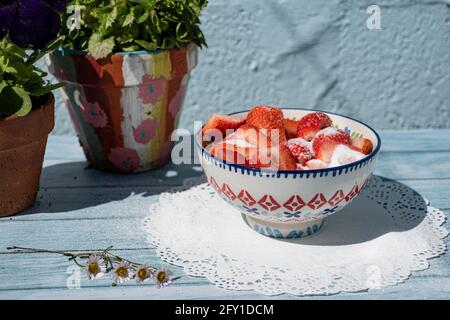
[291,204]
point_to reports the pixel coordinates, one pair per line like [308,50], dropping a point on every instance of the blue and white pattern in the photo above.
[287,234]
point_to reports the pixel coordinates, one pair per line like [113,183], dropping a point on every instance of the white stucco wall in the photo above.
[320,54]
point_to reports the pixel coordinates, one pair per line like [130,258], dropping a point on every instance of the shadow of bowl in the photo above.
[379,210]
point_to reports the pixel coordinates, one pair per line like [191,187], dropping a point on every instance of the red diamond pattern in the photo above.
[228,192]
[352,194]
[294,204]
[317,202]
[268,203]
[214,184]
[337,198]
[366,182]
[246,198]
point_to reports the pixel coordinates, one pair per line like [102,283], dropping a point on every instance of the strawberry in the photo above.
[310,124]
[316,164]
[242,146]
[274,158]
[228,152]
[270,121]
[330,134]
[219,125]
[291,128]
[300,150]
[251,135]
[325,150]
[364,145]
[282,158]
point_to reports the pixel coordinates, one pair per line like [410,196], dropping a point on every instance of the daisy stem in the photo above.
[106,254]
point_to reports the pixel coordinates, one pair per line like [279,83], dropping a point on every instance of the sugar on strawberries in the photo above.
[310,124]
[301,150]
[330,134]
[265,139]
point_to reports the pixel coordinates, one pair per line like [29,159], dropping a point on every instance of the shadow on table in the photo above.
[74,186]
[385,206]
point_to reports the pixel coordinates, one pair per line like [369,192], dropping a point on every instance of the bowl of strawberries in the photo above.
[287,170]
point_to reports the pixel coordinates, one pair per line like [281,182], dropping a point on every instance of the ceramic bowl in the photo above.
[291,204]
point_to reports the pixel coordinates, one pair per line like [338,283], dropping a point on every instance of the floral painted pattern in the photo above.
[145,132]
[177,102]
[125,159]
[93,114]
[151,89]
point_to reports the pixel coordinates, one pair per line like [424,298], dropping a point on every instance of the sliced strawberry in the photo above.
[251,135]
[310,124]
[270,121]
[330,134]
[242,146]
[300,167]
[284,157]
[300,150]
[316,164]
[275,158]
[291,128]
[325,150]
[364,145]
[228,152]
[218,125]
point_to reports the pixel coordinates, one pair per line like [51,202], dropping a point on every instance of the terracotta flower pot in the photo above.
[22,147]
[126,106]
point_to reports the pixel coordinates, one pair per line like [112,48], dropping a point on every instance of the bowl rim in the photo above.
[288,172]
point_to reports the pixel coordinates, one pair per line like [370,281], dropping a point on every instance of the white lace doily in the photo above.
[377,241]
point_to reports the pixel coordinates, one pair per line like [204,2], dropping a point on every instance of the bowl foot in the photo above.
[284,230]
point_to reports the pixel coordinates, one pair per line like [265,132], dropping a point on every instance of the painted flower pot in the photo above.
[126,106]
[22,147]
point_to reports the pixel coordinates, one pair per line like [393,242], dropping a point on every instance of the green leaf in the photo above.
[100,48]
[111,18]
[118,25]
[129,19]
[27,105]
[14,100]
[147,45]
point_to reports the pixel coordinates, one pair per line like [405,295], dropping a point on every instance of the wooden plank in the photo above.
[63,174]
[67,147]
[65,166]
[70,174]
[412,165]
[47,276]
[95,210]
[415,140]
[412,289]
[127,234]
[128,202]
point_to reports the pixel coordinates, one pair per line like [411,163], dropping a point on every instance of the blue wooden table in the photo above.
[83,209]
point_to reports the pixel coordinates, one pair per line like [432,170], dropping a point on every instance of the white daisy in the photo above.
[94,267]
[163,277]
[122,273]
[143,273]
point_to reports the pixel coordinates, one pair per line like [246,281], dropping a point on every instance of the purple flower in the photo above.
[31,23]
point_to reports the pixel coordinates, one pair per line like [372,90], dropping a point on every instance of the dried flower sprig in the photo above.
[98,263]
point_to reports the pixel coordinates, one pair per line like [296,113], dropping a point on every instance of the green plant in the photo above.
[21,81]
[27,32]
[102,27]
